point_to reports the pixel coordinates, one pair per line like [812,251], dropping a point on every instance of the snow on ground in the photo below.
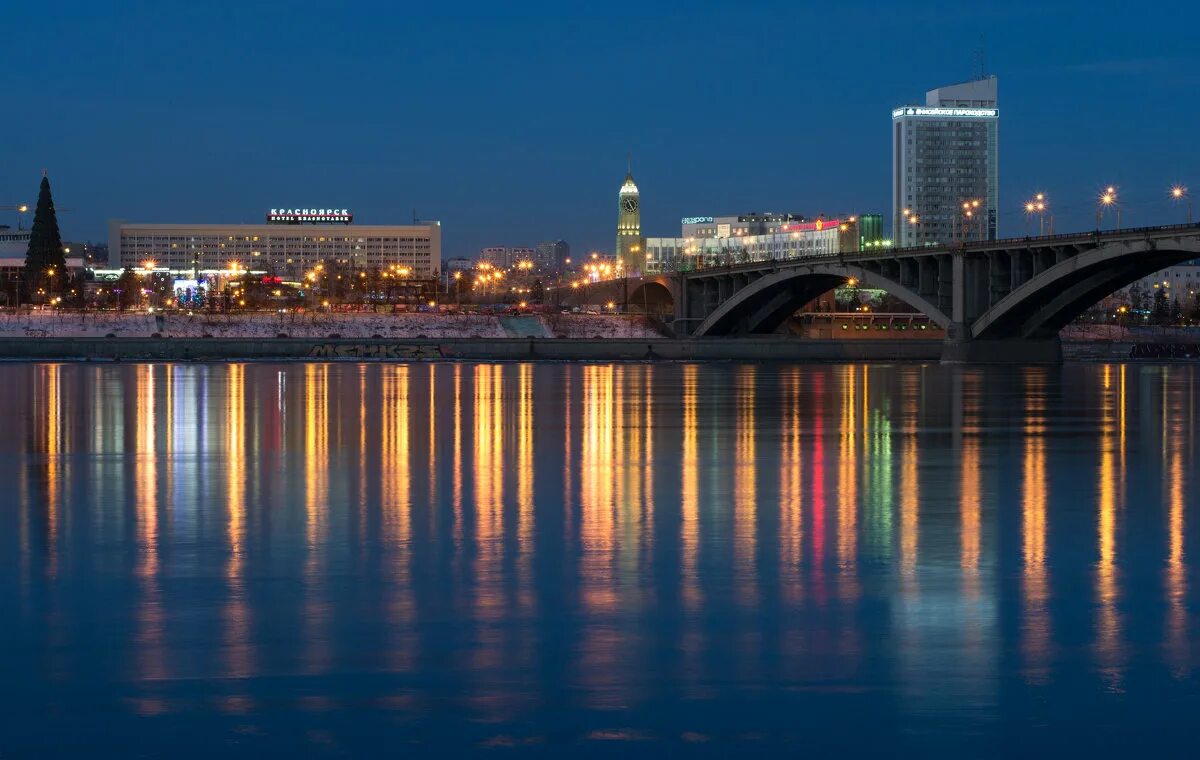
[1136,333]
[311,325]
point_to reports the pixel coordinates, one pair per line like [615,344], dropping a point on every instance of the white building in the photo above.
[944,155]
[288,249]
[502,256]
[792,241]
[753,223]
[496,255]
[1181,283]
[14,243]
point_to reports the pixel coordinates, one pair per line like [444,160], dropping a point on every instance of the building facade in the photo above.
[496,256]
[1181,283]
[945,160]
[520,255]
[286,250]
[502,257]
[629,225]
[791,241]
[753,223]
[553,254]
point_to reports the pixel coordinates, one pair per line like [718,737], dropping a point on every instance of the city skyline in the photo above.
[1062,132]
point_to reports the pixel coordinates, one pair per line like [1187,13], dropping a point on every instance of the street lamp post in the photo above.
[1037,205]
[914,220]
[1108,199]
[970,212]
[1180,193]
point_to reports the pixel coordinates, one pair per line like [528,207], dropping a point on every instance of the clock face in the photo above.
[629,204]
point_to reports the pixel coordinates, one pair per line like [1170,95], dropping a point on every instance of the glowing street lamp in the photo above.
[1038,205]
[1107,200]
[1180,193]
[914,220]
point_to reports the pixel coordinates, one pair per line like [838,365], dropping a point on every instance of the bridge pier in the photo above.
[957,350]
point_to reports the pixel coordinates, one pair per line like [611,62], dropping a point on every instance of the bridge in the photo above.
[998,300]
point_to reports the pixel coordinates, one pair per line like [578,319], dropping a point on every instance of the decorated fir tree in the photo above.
[45,264]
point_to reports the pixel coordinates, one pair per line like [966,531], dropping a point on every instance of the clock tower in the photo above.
[629,226]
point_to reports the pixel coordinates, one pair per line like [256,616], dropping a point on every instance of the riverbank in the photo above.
[469,349]
[320,324]
[507,349]
[174,336]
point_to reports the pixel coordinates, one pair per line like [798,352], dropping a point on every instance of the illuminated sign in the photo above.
[697,220]
[309,216]
[817,226]
[957,113]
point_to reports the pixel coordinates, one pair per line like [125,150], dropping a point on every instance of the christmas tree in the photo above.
[45,264]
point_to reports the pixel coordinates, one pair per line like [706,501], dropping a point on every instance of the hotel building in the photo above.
[945,155]
[288,245]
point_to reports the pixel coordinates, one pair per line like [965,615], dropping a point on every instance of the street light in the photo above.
[1038,205]
[1180,193]
[1108,199]
[970,208]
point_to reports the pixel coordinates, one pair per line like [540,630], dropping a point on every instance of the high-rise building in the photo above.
[629,225]
[553,254]
[945,185]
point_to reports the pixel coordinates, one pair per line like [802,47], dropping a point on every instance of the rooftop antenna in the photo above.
[981,58]
[629,163]
[414,215]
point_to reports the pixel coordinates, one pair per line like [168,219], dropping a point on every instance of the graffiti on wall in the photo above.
[376,351]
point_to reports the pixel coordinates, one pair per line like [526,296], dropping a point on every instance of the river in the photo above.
[646,558]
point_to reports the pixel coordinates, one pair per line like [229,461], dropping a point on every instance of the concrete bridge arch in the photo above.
[1041,306]
[764,303]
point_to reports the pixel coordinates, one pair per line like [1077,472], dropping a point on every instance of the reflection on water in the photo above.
[547,555]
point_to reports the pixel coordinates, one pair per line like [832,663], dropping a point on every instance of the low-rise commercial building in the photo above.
[737,225]
[791,240]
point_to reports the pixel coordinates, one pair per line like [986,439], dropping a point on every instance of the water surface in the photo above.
[589,558]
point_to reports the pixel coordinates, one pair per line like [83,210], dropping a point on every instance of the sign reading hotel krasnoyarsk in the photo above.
[309,216]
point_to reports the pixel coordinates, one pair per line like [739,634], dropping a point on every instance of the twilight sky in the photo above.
[510,122]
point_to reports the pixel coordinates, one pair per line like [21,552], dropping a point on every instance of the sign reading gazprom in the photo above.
[697,220]
[309,216]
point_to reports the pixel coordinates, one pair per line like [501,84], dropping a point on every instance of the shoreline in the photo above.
[463,349]
[170,349]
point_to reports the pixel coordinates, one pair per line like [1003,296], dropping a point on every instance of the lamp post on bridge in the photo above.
[1037,205]
[1108,199]
[1180,193]
[970,210]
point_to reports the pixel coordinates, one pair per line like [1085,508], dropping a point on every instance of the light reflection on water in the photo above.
[311,557]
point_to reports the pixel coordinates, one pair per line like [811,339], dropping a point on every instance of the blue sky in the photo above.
[511,122]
